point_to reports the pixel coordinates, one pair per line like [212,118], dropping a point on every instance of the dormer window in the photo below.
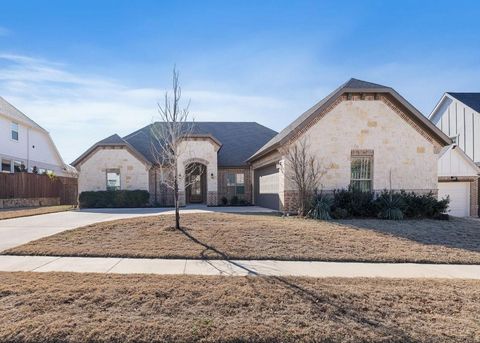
[14,131]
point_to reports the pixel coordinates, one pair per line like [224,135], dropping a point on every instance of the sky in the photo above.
[87,69]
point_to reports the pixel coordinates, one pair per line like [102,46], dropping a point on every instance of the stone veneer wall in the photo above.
[28,202]
[92,171]
[164,196]
[474,198]
[372,122]
[222,183]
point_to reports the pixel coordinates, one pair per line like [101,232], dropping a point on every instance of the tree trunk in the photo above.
[177,210]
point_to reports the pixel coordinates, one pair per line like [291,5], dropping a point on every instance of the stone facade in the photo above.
[223,190]
[28,202]
[404,155]
[92,171]
[474,198]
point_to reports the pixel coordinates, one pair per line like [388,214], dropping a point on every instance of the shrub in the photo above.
[423,205]
[234,200]
[340,213]
[355,202]
[111,199]
[224,201]
[321,206]
[243,202]
[389,206]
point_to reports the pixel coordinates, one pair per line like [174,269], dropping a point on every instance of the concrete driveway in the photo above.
[19,231]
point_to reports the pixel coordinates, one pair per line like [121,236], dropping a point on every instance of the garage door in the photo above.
[266,187]
[459,193]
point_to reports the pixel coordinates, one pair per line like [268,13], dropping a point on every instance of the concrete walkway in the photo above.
[18,231]
[220,267]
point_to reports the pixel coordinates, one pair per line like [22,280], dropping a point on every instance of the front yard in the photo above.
[69,307]
[216,235]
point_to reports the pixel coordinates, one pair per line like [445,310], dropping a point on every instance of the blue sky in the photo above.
[87,69]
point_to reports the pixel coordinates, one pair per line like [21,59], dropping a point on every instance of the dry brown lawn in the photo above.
[238,236]
[69,307]
[31,211]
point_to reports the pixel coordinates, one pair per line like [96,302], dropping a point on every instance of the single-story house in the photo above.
[363,133]
[222,148]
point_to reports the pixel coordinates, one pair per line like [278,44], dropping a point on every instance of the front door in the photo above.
[196,194]
[196,189]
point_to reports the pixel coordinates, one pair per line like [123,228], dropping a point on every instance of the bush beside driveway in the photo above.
[242,236]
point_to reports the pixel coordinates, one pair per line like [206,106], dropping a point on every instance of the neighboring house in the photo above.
[24,144]
[366,135]
[458,116]
[221,148]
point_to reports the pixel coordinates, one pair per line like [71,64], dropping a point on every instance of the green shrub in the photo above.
[355,202]
[390,206]
[224,201]
[423,205]
[243,202]
[234,200]
[321,206]
[387,205]
[114,199]
[340,213]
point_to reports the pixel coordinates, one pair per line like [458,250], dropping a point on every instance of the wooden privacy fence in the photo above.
[27,185]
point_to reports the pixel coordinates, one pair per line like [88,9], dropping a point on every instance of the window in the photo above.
[14,131]
[362,170]
[268,184]
[6,166]
[113,179]
[240,186]
[236,184]
[18,166]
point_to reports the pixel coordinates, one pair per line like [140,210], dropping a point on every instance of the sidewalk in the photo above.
[233,268]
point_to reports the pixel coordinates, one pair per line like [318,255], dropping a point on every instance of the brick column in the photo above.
[474,195]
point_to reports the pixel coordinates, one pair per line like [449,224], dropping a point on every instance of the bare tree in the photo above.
[304,171]
[173,128]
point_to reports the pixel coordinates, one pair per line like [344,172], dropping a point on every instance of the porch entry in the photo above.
[196,190]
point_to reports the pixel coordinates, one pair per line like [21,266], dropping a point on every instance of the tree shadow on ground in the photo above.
[320,303]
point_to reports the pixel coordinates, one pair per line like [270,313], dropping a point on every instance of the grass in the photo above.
[69,307]
[31,211]
[239,236]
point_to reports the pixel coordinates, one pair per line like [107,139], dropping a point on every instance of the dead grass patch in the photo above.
[31,211]
[234,236]
[69,307]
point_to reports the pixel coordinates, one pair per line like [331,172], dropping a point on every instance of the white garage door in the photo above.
[459,193]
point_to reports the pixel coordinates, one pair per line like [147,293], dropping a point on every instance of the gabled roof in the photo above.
[474,167]
[10,111]
[7,109]
[237,141]
[472,100]
[111,141]
[351,86]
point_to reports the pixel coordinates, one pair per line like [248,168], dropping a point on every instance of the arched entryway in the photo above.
[196,183]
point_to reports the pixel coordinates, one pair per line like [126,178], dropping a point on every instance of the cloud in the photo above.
[80,109]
